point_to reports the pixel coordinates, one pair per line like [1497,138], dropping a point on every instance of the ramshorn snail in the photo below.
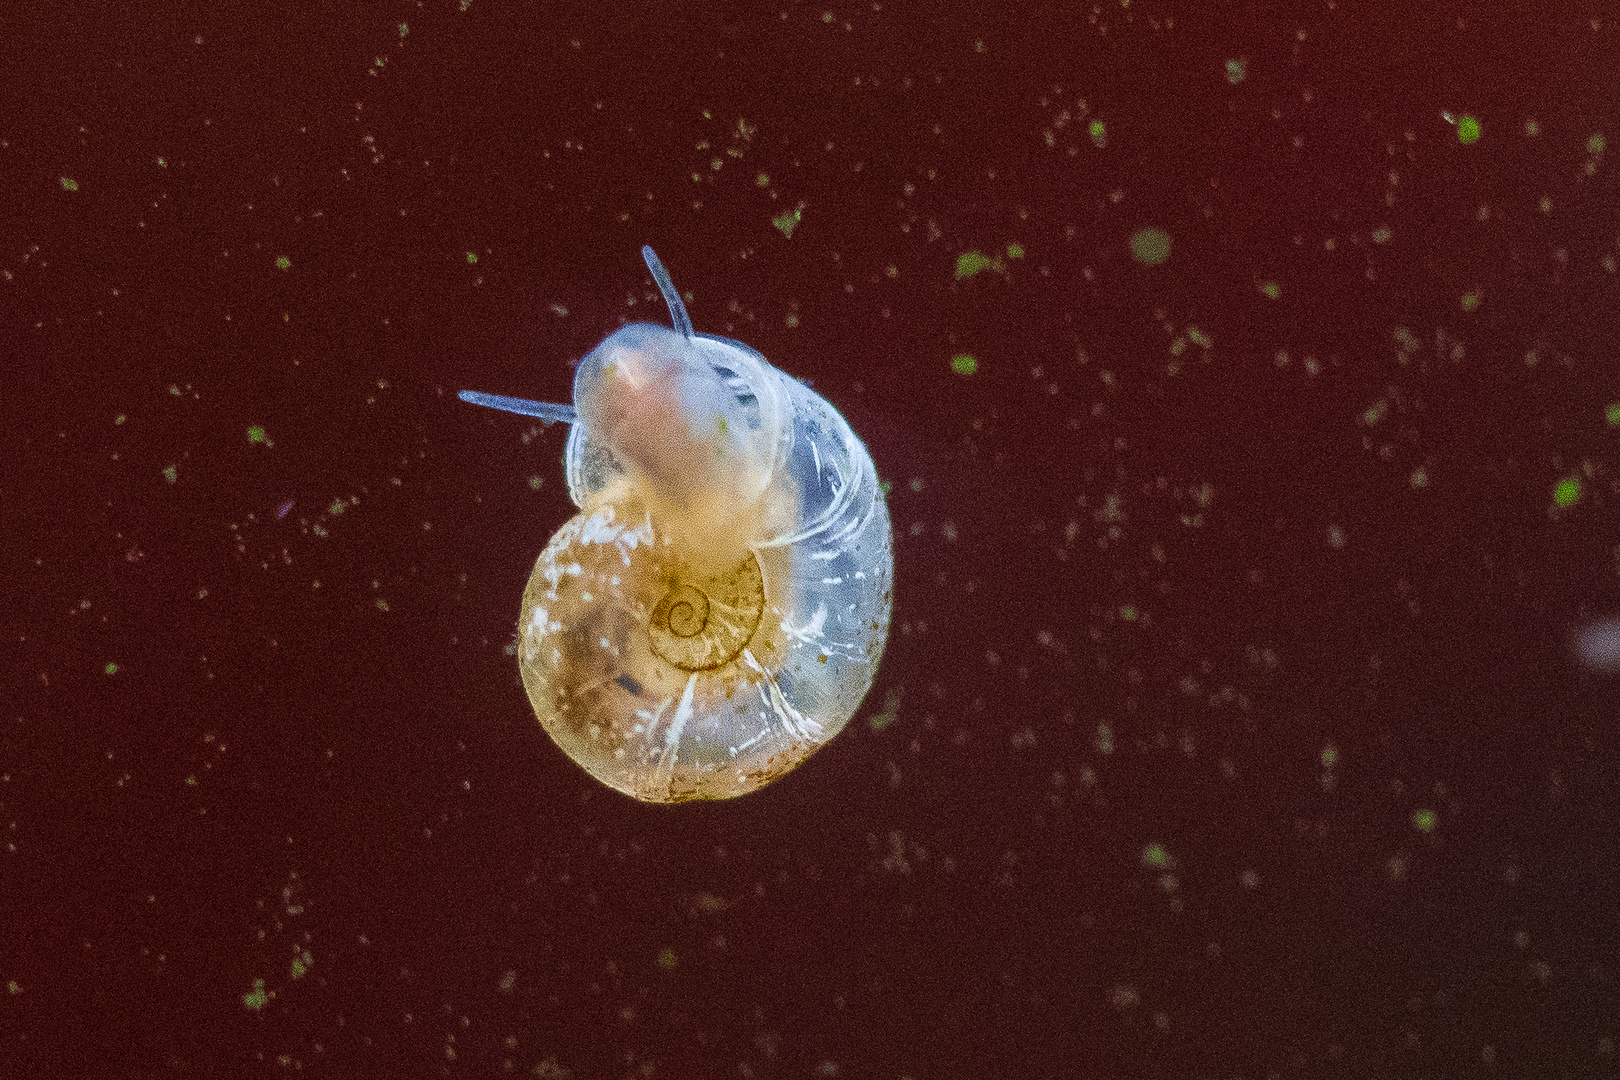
[716,610]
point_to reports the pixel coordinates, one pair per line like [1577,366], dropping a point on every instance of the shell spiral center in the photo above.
[703,621]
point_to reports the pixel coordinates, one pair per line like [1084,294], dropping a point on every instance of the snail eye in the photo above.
[715,612]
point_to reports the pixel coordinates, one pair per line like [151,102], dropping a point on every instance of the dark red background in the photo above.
[347,777]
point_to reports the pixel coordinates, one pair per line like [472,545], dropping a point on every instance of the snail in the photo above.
[715,612]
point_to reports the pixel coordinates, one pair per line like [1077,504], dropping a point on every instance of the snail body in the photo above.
[716,610]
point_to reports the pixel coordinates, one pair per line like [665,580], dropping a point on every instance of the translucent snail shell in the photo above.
[716,610]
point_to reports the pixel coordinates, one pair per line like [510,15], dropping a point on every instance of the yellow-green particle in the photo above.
[1150,246]
[890,713]
[787,221]
[254,999]
[970,263]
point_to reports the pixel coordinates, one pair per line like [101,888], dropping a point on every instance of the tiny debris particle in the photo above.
[970,263]
[1598,644]
[254,999]
[787,221]
[890,713]
[1150,247]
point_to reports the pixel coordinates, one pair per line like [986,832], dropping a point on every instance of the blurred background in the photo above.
[1247,386]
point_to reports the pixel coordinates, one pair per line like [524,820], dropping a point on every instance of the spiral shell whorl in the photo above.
[609,684]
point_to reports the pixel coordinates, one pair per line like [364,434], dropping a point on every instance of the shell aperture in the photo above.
[716,610]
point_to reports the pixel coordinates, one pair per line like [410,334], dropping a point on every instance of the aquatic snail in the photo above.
[716,610]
